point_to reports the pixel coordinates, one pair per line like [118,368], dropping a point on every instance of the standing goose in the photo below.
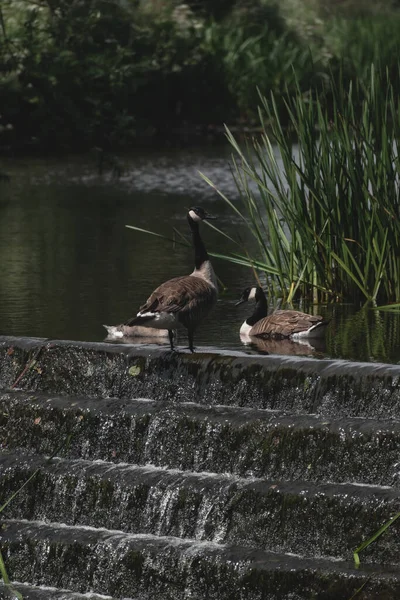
[282,324]
[183,300]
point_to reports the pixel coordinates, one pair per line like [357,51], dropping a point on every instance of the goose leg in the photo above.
[171,338]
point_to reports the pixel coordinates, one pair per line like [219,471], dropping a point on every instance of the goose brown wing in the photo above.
[180,294]
[284,323]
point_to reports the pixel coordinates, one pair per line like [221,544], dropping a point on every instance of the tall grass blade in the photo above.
[372,539]
[164,237]
[4,575]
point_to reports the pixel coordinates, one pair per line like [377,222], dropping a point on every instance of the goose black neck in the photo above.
[260,311]
[200,252]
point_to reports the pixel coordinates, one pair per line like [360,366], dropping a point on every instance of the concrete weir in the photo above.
[144,474]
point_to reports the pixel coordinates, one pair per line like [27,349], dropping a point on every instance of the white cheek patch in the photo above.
[194,216]
[252,295]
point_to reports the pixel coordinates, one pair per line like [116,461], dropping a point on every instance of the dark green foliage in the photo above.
[79,73]
[99,73]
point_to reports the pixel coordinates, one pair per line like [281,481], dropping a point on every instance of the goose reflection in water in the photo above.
[285,346]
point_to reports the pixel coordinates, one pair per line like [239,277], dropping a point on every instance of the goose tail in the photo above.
[315,331]
[144,321]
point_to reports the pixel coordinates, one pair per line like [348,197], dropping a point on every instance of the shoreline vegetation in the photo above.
[324,212]
[113,73]
[326,75]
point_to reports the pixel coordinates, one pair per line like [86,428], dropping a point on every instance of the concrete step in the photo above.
[299,517]
[31,592]
[166,568]
[216,475]
[238,440]
[299,385]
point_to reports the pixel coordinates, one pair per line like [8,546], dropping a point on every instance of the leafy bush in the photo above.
[97,73]
[76,73]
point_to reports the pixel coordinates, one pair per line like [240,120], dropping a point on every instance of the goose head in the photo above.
[197,214]
[251,293]
[260,310]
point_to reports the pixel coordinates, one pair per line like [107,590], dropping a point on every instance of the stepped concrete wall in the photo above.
[150,474]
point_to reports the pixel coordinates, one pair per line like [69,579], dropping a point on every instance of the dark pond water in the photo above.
[68,264]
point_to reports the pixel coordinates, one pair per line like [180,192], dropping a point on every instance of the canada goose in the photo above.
[183,300]
[281,324]
[115,332]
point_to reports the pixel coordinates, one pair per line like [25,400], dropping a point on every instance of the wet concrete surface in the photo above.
[151,474]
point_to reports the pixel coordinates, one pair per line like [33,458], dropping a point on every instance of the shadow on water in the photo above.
[68,264]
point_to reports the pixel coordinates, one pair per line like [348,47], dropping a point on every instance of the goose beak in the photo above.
[241,301]
[208,216]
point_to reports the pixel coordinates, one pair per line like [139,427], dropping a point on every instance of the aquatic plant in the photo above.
[323,211]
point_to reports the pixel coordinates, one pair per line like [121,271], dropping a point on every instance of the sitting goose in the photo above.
[183,300]
[115,332]
[281,324]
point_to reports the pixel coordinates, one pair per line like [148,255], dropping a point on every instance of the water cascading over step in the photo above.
[213,475]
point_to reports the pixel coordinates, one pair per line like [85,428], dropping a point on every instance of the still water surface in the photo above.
[69,264]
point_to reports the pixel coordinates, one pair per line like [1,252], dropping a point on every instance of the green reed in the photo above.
[373,538]
[324,211]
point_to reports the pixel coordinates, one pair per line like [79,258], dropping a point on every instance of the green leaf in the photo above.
[373,537]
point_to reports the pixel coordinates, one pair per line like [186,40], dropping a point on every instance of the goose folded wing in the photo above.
[283,323]
[177,295]
[305,323]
